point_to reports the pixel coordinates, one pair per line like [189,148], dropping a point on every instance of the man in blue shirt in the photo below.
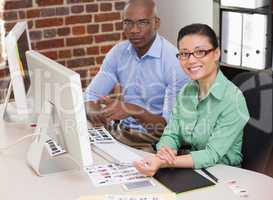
[149,74]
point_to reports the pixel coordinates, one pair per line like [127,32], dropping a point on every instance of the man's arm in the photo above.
[117,109]
[94,113]
[101,85]
[150,121]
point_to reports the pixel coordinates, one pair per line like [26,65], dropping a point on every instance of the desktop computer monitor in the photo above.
[17,43]
[57,96]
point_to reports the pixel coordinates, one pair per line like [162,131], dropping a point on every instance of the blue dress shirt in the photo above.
[150,82]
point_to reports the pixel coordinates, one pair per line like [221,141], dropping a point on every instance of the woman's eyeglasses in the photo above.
[200,53]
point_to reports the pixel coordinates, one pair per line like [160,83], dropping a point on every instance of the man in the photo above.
[149,74]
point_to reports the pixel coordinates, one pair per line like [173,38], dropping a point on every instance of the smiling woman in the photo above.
[199,54]
[209,114]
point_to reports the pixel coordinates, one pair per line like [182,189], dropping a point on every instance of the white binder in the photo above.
[245,3]
[231,38]
[254,41]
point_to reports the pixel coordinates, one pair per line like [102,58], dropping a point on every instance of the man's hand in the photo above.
[115,109]
[95,114]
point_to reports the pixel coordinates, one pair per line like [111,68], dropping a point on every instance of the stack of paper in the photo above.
[155,196]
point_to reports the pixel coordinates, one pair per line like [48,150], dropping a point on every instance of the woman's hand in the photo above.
[167,154]
[148,166]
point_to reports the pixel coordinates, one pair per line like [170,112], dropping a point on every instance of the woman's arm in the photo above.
[149,166]
[170,158]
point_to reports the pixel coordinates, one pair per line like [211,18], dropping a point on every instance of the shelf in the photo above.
[232,71]
[240,67]
[263,10]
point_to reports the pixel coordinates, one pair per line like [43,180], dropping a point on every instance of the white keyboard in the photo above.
[109,148]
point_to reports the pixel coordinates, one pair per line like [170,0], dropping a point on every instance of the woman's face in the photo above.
[202,64]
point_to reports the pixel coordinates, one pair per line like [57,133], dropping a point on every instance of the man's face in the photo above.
[140,25]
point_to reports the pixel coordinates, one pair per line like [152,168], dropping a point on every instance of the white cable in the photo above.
[17,142]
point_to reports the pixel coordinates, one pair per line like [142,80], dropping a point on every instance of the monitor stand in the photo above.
[10,111]
[38,157]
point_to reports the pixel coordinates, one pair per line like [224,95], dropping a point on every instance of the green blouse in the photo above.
[212,126]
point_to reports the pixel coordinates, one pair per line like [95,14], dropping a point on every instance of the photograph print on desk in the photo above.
[154,196]
[109,174]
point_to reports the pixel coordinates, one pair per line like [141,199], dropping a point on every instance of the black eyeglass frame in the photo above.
[206,52]
[141,24]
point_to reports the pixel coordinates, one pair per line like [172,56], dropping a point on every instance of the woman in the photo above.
[210,111]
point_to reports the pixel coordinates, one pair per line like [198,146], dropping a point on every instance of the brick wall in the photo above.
[76,33]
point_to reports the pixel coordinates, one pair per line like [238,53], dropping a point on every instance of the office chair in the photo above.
[269,168]
[257,148]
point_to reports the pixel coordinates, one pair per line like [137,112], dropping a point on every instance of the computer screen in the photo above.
[58,98]
[16,44]
[23,45]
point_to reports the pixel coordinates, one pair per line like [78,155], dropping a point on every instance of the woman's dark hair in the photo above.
[200,29]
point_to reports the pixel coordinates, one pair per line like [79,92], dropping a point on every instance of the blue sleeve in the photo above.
[172,136]
[106,78]
[175,80]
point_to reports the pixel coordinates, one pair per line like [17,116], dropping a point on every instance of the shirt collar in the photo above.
[218,87]
[154,51]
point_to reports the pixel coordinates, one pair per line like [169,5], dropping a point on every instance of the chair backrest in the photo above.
[269,168]
[257,146]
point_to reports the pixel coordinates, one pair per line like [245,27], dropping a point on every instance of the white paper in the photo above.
[109,174]
[237,189]
[53,148]
[100,135]
[135,197]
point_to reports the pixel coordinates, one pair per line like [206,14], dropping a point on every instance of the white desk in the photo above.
[17,180]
